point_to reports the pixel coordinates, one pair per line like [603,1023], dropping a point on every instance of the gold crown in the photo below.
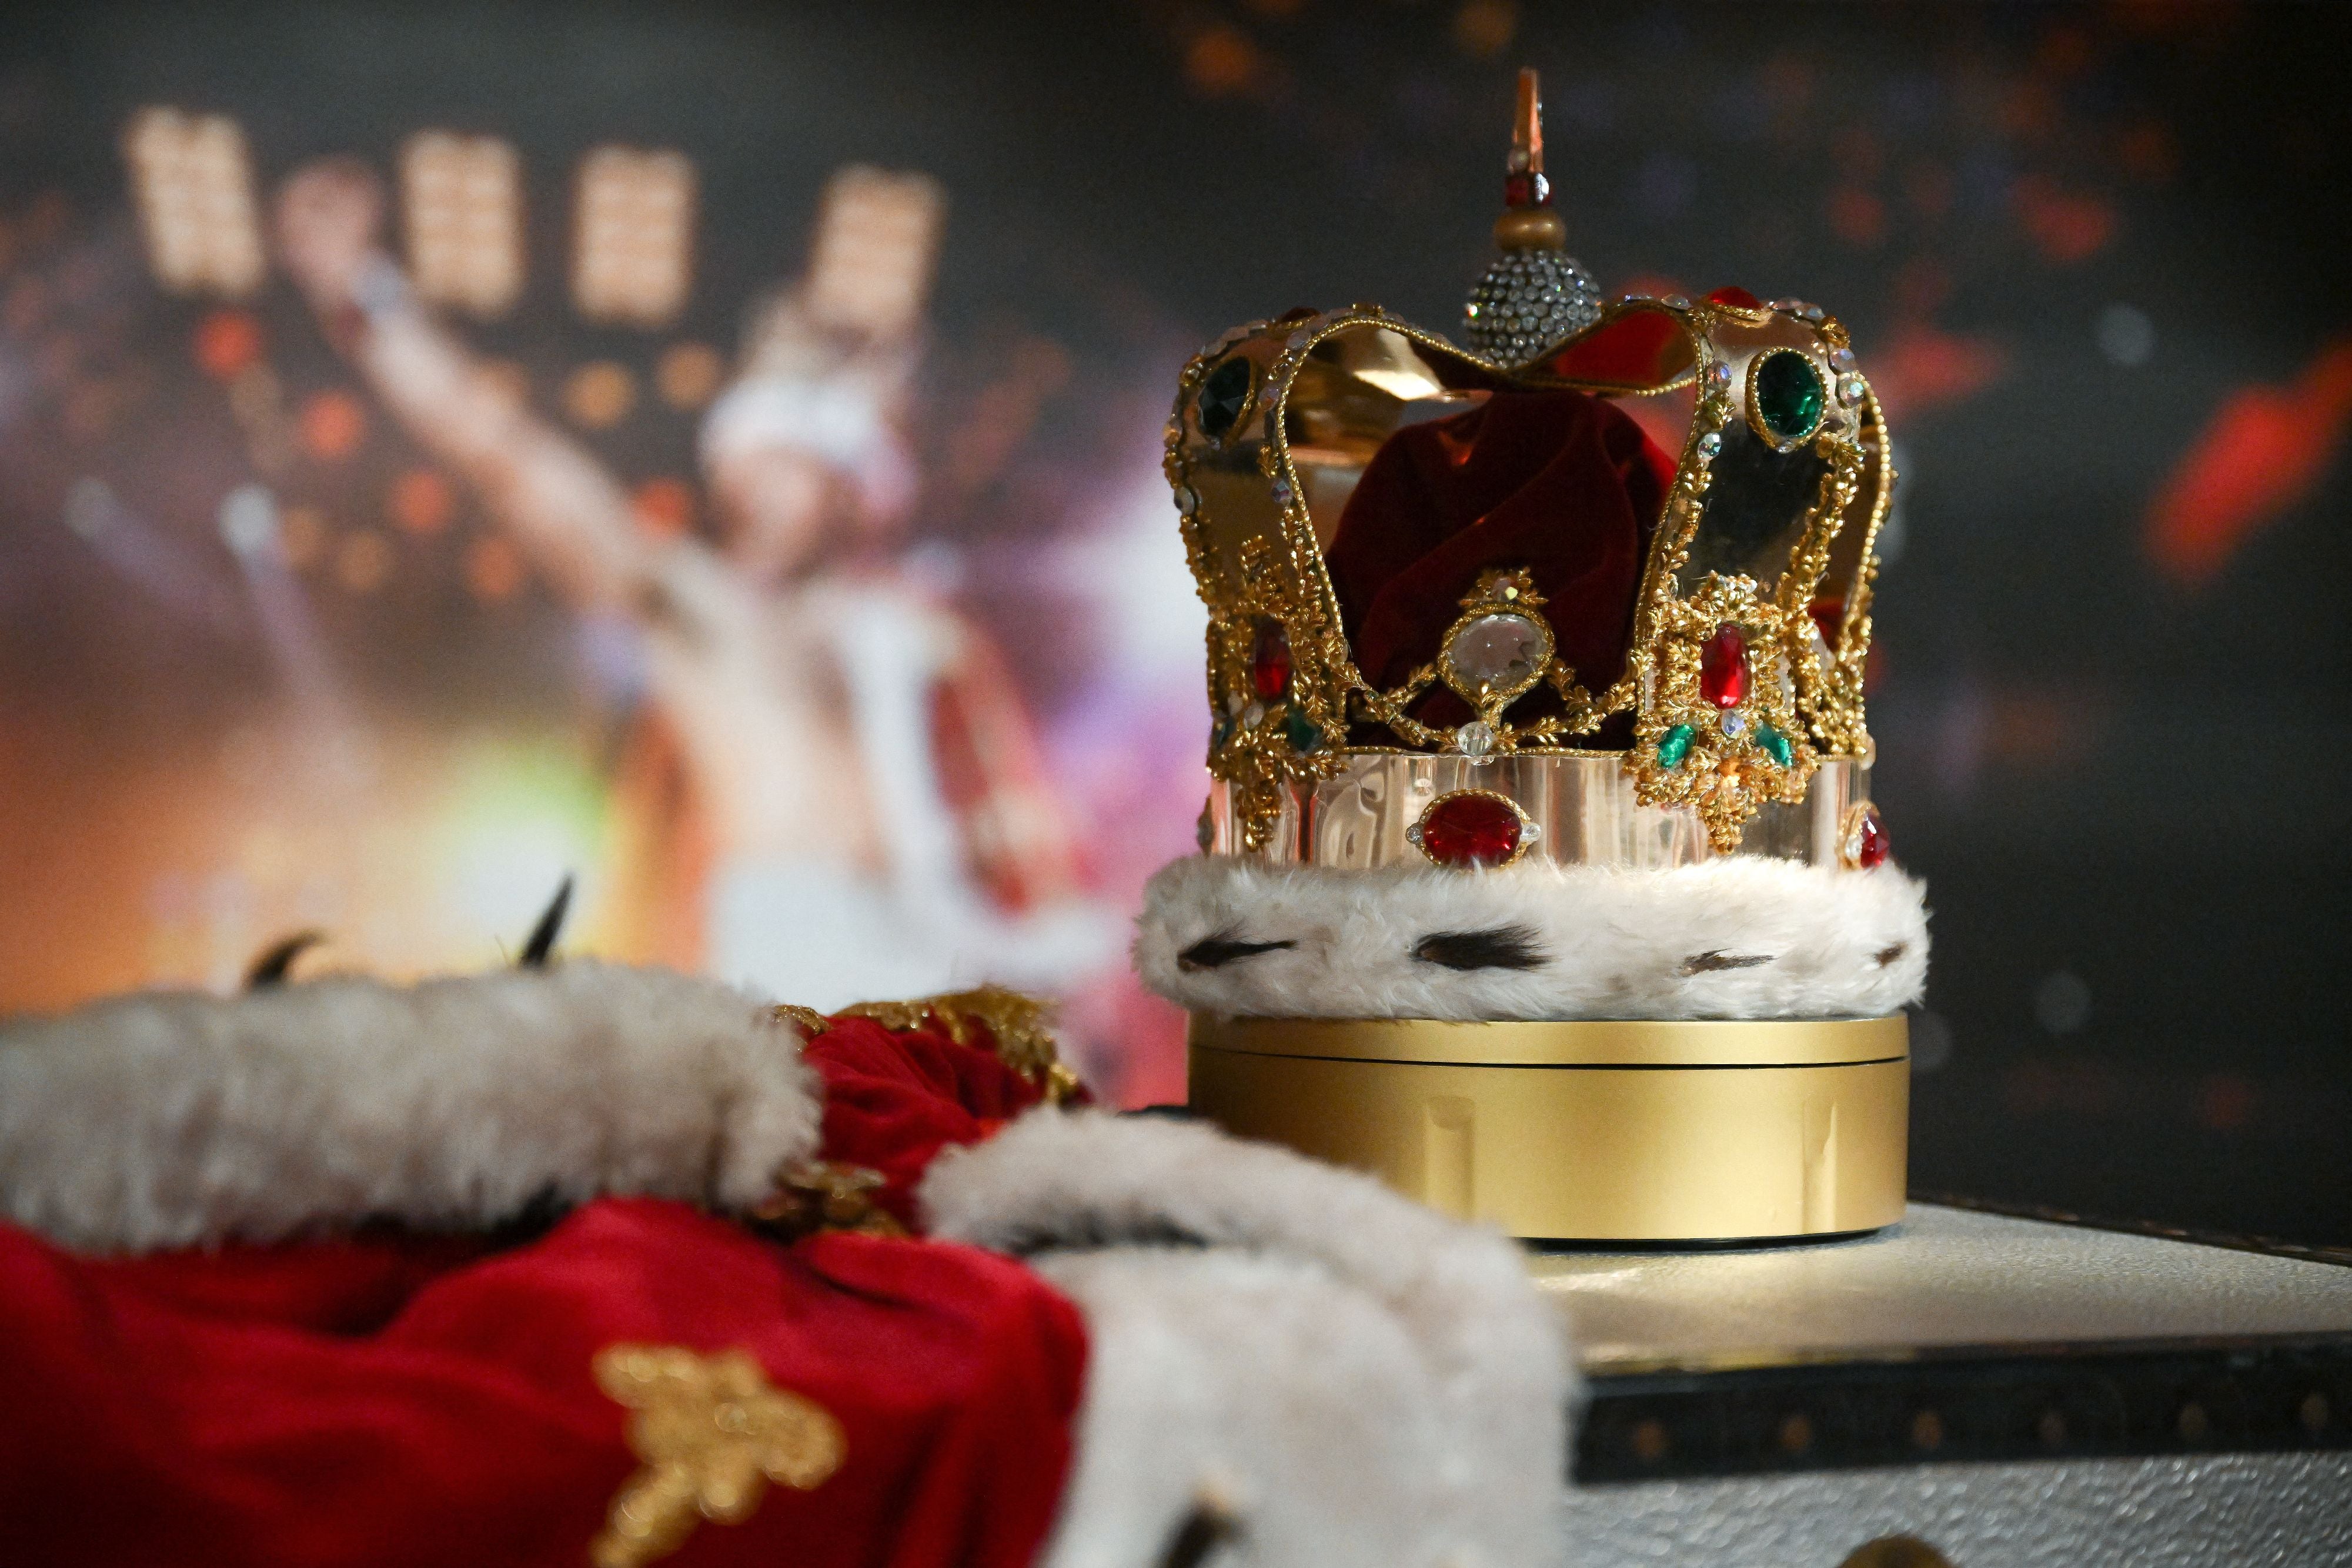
[1710,668]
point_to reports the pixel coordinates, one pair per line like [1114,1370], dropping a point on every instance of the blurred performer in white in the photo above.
[863,776]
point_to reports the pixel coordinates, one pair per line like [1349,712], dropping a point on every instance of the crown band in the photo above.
[1572,811]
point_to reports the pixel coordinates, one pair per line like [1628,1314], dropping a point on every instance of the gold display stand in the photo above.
[1586,1131]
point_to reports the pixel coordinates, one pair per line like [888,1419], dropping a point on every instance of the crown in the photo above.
[1465,609]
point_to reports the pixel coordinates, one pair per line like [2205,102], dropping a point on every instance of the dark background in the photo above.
[2093,256]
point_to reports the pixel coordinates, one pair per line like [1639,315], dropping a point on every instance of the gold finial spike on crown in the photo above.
[1527,129]
[1527,222]
[1534,294]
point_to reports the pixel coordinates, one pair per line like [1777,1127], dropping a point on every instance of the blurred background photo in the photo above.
[713,452]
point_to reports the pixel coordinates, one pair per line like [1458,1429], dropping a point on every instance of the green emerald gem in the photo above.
[1789,396]
[1774,742]
[1305,734]
[1674,746]
[1224,397]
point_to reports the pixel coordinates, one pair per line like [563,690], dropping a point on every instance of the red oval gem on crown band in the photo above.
[1723,667]
[1471,830]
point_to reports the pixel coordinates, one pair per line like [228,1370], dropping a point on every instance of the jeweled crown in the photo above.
[1461,602]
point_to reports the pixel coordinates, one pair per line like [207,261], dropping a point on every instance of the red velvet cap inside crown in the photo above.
[1558,483]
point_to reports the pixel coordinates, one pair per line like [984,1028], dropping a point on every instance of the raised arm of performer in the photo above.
[739,684]
[559,502]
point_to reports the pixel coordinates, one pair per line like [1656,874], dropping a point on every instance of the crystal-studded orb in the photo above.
[1471,829]
[1528,300]
[1503,652]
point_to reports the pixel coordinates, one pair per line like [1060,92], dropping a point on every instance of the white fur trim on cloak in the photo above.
[1737,937]
[1279,1349]
[169,1119]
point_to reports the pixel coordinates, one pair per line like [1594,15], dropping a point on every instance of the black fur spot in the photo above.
[1092,1232]
[1504,947]
[277,960]
[540,946]
[1210,1525]
[1888,955]
[1214,952]
[1709,963]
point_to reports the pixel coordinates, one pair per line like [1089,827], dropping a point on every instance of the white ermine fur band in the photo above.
[170,1119]
[1284,1354]
[1739,937]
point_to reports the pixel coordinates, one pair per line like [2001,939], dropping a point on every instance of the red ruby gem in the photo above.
[1871,843]
[1525,190]
[1735,296]
[1270,661]
[1470,831]
[1723,667]
[1829,618]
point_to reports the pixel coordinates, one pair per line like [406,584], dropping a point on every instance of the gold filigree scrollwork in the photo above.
[1273,749]
[711,1434]
[1267,744]
[1723,760]
[1829,679]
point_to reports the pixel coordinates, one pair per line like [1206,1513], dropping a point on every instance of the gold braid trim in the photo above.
[1019,1028]
[712,1433]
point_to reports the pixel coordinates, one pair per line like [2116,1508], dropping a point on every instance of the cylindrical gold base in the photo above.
[1604,1130]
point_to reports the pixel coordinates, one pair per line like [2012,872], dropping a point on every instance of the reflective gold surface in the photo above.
[1748,537]
[1581,1042]
[1680,1138]
[1582,807]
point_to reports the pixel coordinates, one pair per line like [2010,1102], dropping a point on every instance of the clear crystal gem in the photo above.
[1710,444]
[1188,500]
[1733,724]
[1253,714]
[1841,358]
[1474,740]
[1720,374]
[1851,389]
[1678,301]
[1502,651]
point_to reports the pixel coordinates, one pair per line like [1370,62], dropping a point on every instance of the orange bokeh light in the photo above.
[333,424]
[493,570]
[2265,450]
[664,507]
[421,502]
[227,341]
